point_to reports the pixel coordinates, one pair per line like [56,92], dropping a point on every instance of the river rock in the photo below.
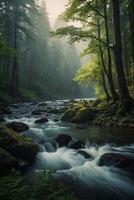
[84,115]
[68,115]
[85,154]
[17,145]
[36,112]
[116,160]
[41,120]
[17,126]
[7,162]
[4,109]
[2,119]
[77,145]
[63,140]
[43,104]
[56,120]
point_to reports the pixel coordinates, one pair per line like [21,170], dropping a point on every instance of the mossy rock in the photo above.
[68,115]
[18,145]
[84,115]
[7,162]
[17,126]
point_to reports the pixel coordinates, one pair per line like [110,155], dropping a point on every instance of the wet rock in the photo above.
[17,126]
[41,120]
[84,115]
[116,160]
[85,154]
[4,109]
[36,112]
[68,115]
[63,140]
[43,104]
[56,120]
[2,119]
[17,145]
[56,111]
[77,145]
[7,162]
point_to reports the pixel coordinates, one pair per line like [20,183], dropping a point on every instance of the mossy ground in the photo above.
[15,187]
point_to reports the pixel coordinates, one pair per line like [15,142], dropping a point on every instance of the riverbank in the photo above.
[96,112]
[79,155]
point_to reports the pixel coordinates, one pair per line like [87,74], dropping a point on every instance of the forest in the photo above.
[67,99]
[28,73]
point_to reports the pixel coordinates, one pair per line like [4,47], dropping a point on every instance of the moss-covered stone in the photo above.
[84,115]
[68,115]
[7,162]
[18,145]
[17,126]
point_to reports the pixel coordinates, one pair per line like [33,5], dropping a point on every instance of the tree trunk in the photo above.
[103,70]
[110,76]
[104,85]
[131,11]
[123,89]
[14,76]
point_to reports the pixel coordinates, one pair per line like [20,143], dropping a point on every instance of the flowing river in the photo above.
[92,181]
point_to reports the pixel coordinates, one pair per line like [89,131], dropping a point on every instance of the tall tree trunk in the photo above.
[104,85]
[14,76]
[123,89]
[110,76]
[103,70]
[131,11]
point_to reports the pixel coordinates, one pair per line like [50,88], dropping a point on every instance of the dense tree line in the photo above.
[108,28]
[32,65]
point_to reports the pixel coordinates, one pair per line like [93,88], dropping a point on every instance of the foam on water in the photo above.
[95,182]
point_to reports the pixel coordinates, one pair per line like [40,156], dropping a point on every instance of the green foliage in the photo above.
[14,187]
[89,72]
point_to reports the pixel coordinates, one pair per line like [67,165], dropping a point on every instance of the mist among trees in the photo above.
[33,65]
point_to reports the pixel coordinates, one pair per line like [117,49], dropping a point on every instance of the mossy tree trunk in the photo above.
[123,88]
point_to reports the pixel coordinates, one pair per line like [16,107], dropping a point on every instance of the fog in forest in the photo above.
[46,65]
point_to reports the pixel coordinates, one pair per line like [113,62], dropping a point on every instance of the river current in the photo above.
[93,182]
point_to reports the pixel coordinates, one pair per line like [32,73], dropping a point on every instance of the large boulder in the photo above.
[17,145]
[77,145]
[7,162]
[17,126]
[84,115]
[41,120]
[84,154]
[116,160]
[68,115]
[63,140]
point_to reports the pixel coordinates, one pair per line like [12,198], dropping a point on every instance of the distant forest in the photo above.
[33,65]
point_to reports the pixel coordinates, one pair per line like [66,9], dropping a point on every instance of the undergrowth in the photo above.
[14,187]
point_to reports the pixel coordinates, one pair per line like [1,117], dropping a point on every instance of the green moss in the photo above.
[14,187]
[69,115]
[83,115]
[18,145]
[7,162]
